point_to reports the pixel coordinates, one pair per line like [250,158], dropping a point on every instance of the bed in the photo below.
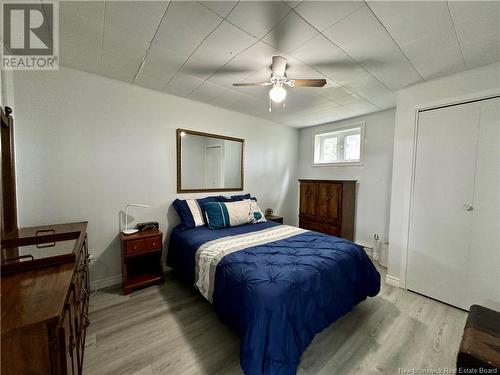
[275,285]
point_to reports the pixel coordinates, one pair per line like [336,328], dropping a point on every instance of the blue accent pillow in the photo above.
[192,211]
[221,215]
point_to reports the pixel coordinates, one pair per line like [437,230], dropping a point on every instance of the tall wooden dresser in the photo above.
[44,310]
[328,206]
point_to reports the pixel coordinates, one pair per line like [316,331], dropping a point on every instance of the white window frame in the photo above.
[341,163]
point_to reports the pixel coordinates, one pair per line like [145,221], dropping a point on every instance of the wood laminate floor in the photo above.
[170,329]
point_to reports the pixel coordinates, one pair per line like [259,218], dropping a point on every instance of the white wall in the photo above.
[87,145]
[455,88]
[374,188]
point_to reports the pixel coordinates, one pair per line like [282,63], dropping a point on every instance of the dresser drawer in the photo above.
[136,246]
[153,243]
[325,228]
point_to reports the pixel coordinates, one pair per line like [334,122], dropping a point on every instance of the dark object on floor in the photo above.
[480,346]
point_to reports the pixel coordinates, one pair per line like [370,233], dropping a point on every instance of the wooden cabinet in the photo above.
[328,206]
[45,313]
[142,263]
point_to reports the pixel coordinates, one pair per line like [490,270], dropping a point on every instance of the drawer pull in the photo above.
[84,295]
[71,344]
[87,320]
[154,243]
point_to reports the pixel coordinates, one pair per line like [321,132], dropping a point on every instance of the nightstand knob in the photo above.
[135,247]
[154,243]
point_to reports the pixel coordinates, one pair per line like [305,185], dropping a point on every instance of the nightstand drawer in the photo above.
[153,243]
[136,246]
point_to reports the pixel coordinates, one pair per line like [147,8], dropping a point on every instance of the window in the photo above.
[343,146]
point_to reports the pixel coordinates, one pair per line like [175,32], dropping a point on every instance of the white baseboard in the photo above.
[391,280]
[104,283]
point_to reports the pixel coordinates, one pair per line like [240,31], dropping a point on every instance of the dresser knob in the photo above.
[87,320]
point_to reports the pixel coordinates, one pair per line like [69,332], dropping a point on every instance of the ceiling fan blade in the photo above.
[309,82]
[279,66]
[252,84]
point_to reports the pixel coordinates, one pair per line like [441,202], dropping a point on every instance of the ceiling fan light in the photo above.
[277,94]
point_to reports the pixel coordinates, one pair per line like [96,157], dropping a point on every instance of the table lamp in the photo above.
[131,231]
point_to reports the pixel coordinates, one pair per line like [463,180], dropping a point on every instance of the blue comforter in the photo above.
[277,296]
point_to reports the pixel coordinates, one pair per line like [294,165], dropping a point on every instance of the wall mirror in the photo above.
[208,162]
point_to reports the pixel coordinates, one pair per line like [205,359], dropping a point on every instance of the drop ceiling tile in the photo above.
[222,45]
[481,53]
[293,3]
[258,17]
[222,8]
[138,18]
[324,56]
[91,10]
[182,84]
[73,27]
[422,29]
[335,92]
[478,28]
[79,42]
[86,57]
[126,44]
[322,14]
[290,33]
[206,92]
[118,65]
[446,61]
[161,62]
[154,83]
[365,39]
[185,25]
[374,92]
[349,99]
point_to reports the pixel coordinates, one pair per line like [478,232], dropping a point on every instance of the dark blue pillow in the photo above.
[191,211]
[241,197]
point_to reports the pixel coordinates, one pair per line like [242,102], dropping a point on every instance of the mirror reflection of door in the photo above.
[214,167]
[208,162]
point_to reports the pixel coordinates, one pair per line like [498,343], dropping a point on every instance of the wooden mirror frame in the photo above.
[179,164]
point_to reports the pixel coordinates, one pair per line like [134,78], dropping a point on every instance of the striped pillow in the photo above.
[191,211]
[229,214]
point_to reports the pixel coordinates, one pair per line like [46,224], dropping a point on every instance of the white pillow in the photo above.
[256,215]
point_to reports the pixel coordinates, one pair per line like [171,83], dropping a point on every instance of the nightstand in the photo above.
[276,219]
[142,263]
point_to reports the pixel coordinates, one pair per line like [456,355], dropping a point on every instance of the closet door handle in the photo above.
[468,208]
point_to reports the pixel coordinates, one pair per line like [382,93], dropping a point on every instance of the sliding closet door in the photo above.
[484,260]
[443,192]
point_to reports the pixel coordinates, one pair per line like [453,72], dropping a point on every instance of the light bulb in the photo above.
[277,94]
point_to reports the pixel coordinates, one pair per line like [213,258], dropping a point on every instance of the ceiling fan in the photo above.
[279,79]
